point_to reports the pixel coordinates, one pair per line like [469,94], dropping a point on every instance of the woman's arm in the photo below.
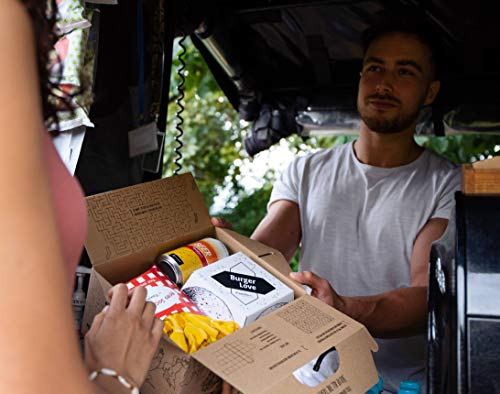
[38,348]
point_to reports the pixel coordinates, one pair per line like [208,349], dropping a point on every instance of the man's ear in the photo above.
[432,92]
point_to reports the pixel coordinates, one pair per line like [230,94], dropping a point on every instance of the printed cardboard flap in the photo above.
[263,356]
[128,220]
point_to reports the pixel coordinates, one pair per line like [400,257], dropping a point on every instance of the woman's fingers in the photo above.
[119,299]
[157,330]
[137,301]
[97,322]
[148,315]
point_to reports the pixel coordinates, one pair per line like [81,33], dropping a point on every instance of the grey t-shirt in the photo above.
[359,223]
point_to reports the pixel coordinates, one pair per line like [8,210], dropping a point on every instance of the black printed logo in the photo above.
[233,280]
[176,258]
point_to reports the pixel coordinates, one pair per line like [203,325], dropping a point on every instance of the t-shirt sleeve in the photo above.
[446,199]
[286,186]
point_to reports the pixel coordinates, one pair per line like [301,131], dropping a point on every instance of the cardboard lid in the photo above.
[489,164]
[128,220]
[261,357]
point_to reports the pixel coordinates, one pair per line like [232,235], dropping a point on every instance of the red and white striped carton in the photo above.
[166,295]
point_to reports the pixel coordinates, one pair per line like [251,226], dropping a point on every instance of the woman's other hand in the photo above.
[125,335]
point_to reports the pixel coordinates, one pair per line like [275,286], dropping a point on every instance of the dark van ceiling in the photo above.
[283,64]
[288,56]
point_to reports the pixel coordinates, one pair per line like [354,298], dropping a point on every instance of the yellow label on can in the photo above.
[192,257]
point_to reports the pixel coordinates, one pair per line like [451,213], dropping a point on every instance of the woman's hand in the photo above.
[125,335]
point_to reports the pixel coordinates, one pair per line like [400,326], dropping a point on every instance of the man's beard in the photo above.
[388,125]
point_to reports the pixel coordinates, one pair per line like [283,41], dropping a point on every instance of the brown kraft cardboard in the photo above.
[130,227]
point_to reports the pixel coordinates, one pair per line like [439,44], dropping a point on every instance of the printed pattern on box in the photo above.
[305,317]
[136,218]
[167,297]
[234,356]
[173,371]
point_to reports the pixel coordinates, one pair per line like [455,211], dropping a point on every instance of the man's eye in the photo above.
[405,71]
[373,68]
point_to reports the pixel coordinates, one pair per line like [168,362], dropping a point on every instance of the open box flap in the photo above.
[356,372]
[125,221]
[268,258]
[270,349]
[268,254]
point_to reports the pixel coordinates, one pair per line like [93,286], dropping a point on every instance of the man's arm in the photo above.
[280,228]
[396,313]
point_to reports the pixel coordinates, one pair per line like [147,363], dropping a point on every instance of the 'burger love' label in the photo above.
[238,289]
[243,282]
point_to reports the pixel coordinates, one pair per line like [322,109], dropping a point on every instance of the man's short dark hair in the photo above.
[409,21]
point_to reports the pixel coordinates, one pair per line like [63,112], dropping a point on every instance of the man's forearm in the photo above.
[280,228]
[397,313]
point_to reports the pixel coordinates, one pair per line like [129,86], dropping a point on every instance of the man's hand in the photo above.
[321,289]
[228,389]
[222,223]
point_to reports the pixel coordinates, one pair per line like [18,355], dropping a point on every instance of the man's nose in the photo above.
[385,83]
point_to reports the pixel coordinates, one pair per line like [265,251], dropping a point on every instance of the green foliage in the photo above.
[249,211]
[463,148]
[212,131]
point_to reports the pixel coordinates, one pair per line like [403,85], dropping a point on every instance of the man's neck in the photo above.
[386,150]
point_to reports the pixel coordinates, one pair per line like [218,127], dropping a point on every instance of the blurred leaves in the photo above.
[463,148]
[211,128]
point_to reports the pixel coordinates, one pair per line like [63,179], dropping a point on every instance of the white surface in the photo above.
[483,294]
[69,145]
[308,376]
[245,305]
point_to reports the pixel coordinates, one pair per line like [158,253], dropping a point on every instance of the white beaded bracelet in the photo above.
[109,372]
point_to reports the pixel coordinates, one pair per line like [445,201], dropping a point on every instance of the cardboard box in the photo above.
[129,227]
[482,178]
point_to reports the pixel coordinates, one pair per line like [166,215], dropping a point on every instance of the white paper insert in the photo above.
[237,289]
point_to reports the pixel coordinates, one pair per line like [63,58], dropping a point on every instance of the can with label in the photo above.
[180,263]
[164,293]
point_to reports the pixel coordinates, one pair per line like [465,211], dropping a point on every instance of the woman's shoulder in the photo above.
[14,18]
[16,34]
[19,92]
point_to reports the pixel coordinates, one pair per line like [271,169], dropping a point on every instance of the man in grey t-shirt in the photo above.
[366,213]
